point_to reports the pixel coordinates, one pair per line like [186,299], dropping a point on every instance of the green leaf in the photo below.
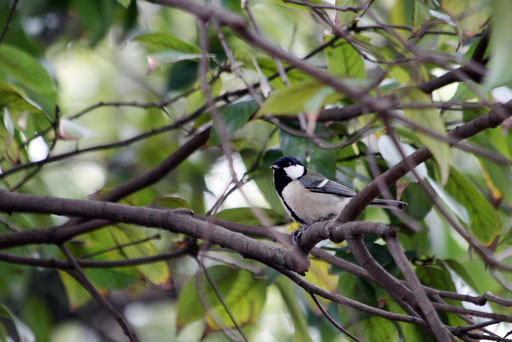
[500,72]
[419,203]
[3,333]
[77,295]
[457,208]
[401,14]
[170,202]
[370,294]
[109,279]
[268,66]
[420,15]
[409,332]
[497,176]
[347,17]
[343,60]
[235,117]
[320,160]
[253,135]
[165,41]
[15,99]
[156,272]
[105,279]
[37,315]
[293,100]
[124,3]
[8,146]
[483,219]
[469,16]
[8,124]
[379,252]
[378,329]
[436,276]
[95,16]
[24,71]
[301,333]
[463,92]
[243,294]
[172,56]
[318,99]
[461,272]
[196,100]
[167,49]
[24,332]
[431,119]
[401,75]
[246,216]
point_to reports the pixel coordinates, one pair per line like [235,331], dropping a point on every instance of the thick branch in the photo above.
[172,220]
[400,294]
[356,206]
[157,173]
[437,327]
[467,71]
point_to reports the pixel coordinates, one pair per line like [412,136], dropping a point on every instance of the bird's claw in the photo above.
[297,234]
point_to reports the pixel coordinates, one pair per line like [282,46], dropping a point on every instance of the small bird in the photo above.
[309,197]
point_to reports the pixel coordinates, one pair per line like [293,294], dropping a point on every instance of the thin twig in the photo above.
[331,7]
[121,143]
[82,279]
[330,319]
[277,62]
[221,299]
[64,265]
[9,19]
[132,243]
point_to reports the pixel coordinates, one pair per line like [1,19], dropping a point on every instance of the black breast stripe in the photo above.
[295,217]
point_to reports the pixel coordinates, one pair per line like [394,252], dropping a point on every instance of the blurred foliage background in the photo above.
[110,65]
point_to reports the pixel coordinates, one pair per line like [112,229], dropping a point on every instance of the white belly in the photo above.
[311,206]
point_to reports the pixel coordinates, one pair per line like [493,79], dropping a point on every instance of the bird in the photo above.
[309,197]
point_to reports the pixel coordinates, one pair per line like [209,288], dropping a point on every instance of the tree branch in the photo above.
[468,71]
[82,279]
[9,19]
[437,327]
[154,175]
[65,265]
[172,220]
[355,207]
[330,319]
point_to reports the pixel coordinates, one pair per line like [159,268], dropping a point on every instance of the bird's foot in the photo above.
[297,234]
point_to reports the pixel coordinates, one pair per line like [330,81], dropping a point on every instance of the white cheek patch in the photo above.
[294,171]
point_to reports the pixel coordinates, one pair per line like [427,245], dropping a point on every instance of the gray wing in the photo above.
[317,183]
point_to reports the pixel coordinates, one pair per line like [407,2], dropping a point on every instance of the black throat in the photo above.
[281,180]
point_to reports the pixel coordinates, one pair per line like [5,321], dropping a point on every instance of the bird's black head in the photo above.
[287,169]
[285,161]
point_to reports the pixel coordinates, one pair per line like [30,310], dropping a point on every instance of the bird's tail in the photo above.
[389,204]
